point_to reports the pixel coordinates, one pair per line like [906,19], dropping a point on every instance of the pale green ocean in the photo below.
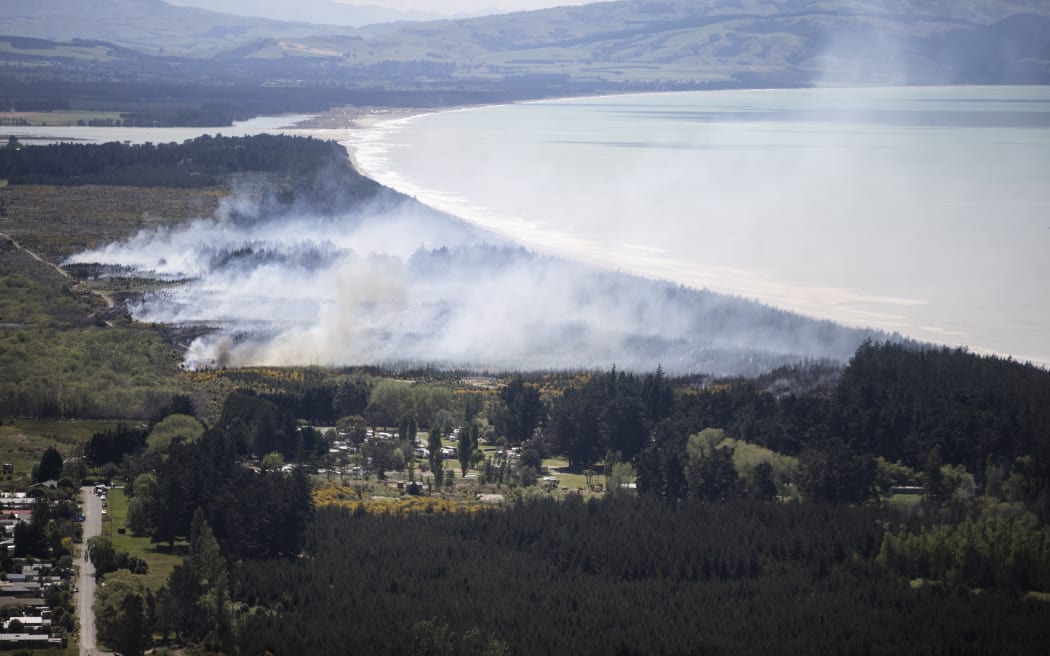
[924,211]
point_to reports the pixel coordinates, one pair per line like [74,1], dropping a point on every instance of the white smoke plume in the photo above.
[391,281]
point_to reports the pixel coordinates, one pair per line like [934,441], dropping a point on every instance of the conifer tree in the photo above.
[437,460]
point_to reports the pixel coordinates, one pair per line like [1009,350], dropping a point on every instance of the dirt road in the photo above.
[105,296]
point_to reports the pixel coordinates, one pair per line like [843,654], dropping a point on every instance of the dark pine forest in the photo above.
[620,575]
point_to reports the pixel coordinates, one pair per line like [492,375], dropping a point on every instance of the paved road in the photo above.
[92,507]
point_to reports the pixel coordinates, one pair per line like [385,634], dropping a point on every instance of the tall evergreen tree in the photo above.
[657,396]
[209,569]
[437,459]
[50,467]
[523,410]
[467,445]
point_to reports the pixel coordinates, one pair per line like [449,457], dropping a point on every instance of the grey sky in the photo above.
[462,6]
[361,12]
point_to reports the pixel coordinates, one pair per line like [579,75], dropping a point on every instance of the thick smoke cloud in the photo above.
[391,281]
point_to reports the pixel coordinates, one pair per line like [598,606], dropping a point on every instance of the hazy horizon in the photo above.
[358,13]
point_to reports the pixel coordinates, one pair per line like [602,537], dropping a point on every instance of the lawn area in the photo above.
[559,467]
[904,502]
[161,559]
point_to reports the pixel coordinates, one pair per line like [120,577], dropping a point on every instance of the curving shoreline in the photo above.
[857,291]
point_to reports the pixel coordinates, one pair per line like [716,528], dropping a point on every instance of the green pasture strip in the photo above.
[23,442]
[70,117]
[20,452]
[161,558]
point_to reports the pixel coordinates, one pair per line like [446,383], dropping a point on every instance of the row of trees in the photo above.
[257,427]
[187,478]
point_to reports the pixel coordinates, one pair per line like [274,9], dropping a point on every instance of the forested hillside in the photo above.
[740,43]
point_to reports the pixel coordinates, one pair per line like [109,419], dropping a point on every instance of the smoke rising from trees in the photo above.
[393,281]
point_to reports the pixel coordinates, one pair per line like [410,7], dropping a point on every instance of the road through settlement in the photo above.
[92,508]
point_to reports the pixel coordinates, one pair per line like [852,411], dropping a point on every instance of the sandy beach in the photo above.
[351,117]
[356,118]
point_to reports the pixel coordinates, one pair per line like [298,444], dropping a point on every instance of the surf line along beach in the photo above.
[913,210]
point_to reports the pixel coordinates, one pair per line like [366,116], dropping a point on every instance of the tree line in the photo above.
[198,162]
[894,409]
[896,415]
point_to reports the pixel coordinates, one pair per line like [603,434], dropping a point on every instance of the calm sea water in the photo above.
[919,210]
[48,134]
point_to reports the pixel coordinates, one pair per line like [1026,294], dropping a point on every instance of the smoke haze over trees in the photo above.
[338,270]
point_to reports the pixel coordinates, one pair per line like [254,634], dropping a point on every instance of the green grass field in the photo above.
[160,557]
[64,117]
[73,432]
[559,468]
[22,452]
[904,502]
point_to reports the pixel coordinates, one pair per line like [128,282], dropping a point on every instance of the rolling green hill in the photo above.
[796,41]
[149,26]
[634,42]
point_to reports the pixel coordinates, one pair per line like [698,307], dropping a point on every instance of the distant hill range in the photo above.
[148,26]
[639,43]
[329,12]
